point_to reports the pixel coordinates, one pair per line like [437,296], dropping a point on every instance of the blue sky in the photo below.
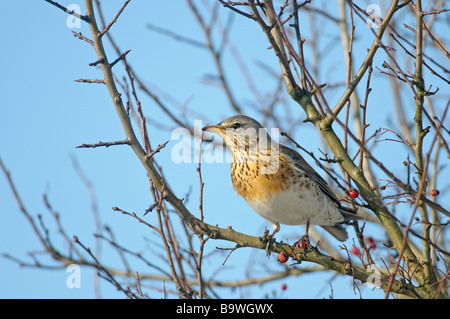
[45,115]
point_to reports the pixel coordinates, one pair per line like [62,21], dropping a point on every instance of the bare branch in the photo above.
[56,4]
[106,144]
[114,20]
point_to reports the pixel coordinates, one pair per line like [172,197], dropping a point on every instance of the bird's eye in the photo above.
[236,125]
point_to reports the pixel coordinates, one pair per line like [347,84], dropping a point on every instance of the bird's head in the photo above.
[249,142]
[239,131]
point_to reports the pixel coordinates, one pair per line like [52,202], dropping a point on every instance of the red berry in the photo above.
[434,192]
[355,251]
[283,257]
[283,287]
[302,244]
[354,193]
[371,242]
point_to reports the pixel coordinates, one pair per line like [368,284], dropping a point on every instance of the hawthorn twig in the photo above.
[114,20]
[106,144]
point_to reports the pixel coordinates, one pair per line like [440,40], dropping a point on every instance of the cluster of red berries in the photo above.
[370,244]
[355,194]
[282,258]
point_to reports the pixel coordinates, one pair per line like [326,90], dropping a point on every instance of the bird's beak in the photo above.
[213,129]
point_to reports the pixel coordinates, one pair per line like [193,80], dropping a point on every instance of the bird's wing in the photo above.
[300,164]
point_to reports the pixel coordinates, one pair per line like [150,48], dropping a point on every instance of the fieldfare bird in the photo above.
[277,182]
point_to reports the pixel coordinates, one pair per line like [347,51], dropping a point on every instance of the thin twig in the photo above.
[82,37]
[108,274]
[115,19]
[117,209]
[157,149]
[121,57]
[367,61]
[90,81]
[72,12]
[230,6]
[106,144]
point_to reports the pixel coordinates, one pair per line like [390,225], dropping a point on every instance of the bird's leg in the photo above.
[304,241]
[270,238]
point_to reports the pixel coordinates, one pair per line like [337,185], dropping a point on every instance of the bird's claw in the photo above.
[304,243]
[269,239]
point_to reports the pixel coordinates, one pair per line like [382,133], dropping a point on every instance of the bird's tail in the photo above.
[350,214]
[337,231]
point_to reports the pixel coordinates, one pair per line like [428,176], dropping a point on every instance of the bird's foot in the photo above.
[269,239]
[304,243]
